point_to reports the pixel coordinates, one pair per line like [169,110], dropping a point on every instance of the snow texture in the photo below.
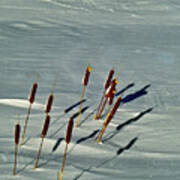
[56,40]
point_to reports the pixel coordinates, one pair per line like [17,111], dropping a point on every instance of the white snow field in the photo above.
[57,40]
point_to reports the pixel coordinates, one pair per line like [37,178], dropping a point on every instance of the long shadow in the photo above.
[87,137]
[66,111]
[82,111]
[60,139]
[84,139]
[73,116]
[127,147]
[124,89]
[130,121]
[135,95]
[73,106]
[120,151]
[58,142]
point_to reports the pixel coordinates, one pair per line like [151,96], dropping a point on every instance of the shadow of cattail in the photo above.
[84,139]
[124,89]
[136,95]
[73,106]
[73,116]
[130,121]
[58,142]
[120,151]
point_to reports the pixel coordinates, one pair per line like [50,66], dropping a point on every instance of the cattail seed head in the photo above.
[49,104]
[33,93]
[111,98]
[108,81]
[116,106]
[17,133]
[69,131]
[87,74]
[46,126]
[111,89]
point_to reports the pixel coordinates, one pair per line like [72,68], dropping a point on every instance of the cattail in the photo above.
[111,97]
[112,88]
[107,84]
[68,139]
[86,78]
[17,133]
[46,126]
[43,134]
[49,104]
[16,139]
[87,74]
[109,94]
[33,93]
[116,106]
[31,101]
[108,81]
[108,119]
[102,108]
[69,131]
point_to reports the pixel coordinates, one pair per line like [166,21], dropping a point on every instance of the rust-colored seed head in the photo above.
[49,104]
[108,82]
[116,106]
[86,78]
[111,98]
[46,125]
[17,133]
[110,116]
[33,93]
[69,130]
[112,88]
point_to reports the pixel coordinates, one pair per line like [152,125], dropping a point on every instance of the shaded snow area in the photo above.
[53,41]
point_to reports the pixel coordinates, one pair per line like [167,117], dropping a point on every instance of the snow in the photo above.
[58,39]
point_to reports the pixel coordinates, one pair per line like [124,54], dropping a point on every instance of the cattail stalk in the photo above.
[102,109]
[31,101]
[108,119]
[68,139]
[17,135]
[106,86]
[109,94]
[86,79]
[43,134]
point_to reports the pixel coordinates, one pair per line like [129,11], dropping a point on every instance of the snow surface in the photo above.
[57,39]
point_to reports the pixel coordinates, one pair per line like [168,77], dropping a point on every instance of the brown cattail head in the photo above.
[17,133]
[112,88]
[116,106]
[111,97]
[49,104]
[86,77]
[69,130]
[33,93]
[108,81]
[46,126]
[111,114]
